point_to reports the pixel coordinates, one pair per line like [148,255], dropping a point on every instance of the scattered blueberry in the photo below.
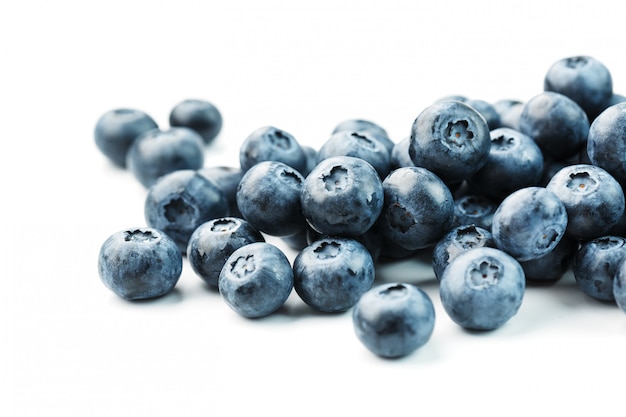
[199,115]
[393,320]
[487,110]
[269,143]
[456,241]
[552,266]
[606,144]
[227,178]
[595,264]
[399,156]
[474,209]
[361,125]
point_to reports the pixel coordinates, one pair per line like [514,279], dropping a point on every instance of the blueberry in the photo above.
[311,159]
[556,123]
[595,264]
[515,161]
[343,195]
[451,139]
[509,111]
[619,286]
[331,274]
[399,156]
[361,125]
[256,280]
[269,143]
[213,242]
[268,196]
[529,223]
[552,266]
[456,241]
[584,79]
[116,130]
[594,200]
[227,178]
[606,144]
[199,115]
[140,263]
[179,202]
[159,152]
[482,288]
[360,145]
[487,110]
[394,320]
[474,209]
[418,208]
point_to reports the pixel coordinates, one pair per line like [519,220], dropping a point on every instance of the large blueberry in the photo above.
[556,123]
[139,263]
[418,208]
[584,79]
[268,196]
[159,152]
[343,195]
[331,274]
[606,144]
[213,242]
[450,139]
[199,115]
[482,288]
[117,129]
[393,320]
[256,280]
[596,263]
[529,223]
[456,241]
[269,143]
[594,200]
[179,202]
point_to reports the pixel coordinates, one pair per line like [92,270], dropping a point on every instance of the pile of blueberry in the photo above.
[502,194]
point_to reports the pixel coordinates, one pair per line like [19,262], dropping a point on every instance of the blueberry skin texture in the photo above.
[418,208]
[509,111]
[606,144]
[201,116]
[359,145]
[595,265]
[552,266]
[256,280]
[268,196]
[331,274]
[362,125]
[227,178]
[159,152]
[556,123]
[179,202]
[213,242]
[399,156]
[269,143]
[393,320]
[474,209]
[342,196]
[117,129]
[594,200]
[458,240]
[139,263]
[584,79]
[529,223]
[515,161]
[482,288]
[487,110]
[619,286]
[451,139]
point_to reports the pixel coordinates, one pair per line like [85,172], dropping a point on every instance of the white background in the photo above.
[72,348]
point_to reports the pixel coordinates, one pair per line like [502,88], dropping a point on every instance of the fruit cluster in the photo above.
[503,194]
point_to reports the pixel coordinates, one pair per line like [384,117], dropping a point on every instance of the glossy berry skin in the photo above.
[451,139]
[515,161]
[418,208]
[456,241]
[606,144]
[117,129]
[529,223]
[331,274]
[556,123]
[619,286]
[362,125]
[584,79]
[198,115]
[342,196]
[159,152]
[213,242]
[596,263]
[227,178]
[179,202]
[482,288]
[474,209]
[393,320]
[360,145]
[268,196]
[594,200]
[269,143]
[256,280]
[552,266]
[139,263]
